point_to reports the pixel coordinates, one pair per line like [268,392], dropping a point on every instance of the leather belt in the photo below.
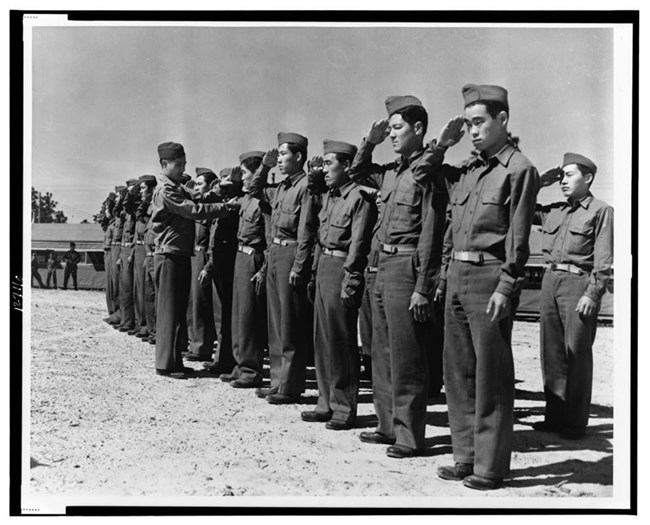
[139,242]
[284,242]
[149,254]
[397,248]
[335,253]
[248,250]
[571,268]
[115,243]
[371,269]
[474,257]
[127,244]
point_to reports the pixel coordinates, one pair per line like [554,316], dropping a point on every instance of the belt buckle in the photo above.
[463,256]
[480,258]
[390,249]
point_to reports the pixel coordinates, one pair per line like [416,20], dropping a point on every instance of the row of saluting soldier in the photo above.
[401,249]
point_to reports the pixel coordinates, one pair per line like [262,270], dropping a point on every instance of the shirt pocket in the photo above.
[581,236]
[458,203]
[408,200]
[495,210]
[289,216]
[339,230]
[550,229]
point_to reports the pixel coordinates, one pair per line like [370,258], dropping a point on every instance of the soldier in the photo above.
[35,274]
[221,265]
[249,327]
[200,318]
[141,294]
[346,220]
[52,265]
[116,245]
[409,236]
[492,204]
[108,241]
[127,304]
[71,258]
[149,275]
[173,219]
[578,248]
[293,230]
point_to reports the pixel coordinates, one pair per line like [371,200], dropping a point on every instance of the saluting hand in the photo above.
[316,163]
[587,307]
[270,158]
[452,132]
[420,306]
[378,131]
[551,176]
[498,306]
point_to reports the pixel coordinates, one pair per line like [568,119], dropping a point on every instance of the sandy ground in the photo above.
[102,423]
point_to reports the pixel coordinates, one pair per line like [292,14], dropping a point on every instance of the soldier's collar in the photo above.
[292,179]
[503,156]
[406,162]
[584,202]
[344,190]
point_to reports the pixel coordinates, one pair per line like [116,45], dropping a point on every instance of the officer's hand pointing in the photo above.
[378,131]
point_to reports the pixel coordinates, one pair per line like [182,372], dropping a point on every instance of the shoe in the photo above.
[245,383]
[401,452]
[263,392]
[227,378]
[313,416]
[132,332]
[194,357]
[338,425]
[480,483]
[216,369]
[114,321]
[142,334]
[573,432]
[457,472]
[282,399]
[124,328]
[177,374]
[376,438]
[152,341]
[545,426]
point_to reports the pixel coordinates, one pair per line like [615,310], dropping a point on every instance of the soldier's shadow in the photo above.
[574,471]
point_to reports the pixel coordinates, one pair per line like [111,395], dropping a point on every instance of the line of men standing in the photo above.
[427,233]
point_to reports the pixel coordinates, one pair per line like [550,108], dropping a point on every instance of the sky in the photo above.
[105,97]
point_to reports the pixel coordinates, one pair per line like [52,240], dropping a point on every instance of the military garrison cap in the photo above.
[131,182]
[250,155]
[336,146]
[576,158]
[292,138]
[395,103]
[147,178]
[111,197]
[483,93]
[170,151]
[119,189]
[205,171]
[225,173]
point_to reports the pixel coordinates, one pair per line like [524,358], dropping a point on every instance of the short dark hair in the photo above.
[586,171]
[72,244]
[493,107]
[208,177]
[295,148]
[413,114]
[252,163]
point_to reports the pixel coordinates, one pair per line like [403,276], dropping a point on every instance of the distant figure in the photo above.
[52,263]
[35,274]
[71,258]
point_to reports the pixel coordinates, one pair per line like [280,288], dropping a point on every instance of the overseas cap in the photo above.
[119,189]
[226,172]
[484,92]
[395,103]
[170,150]
[147,178]
[250,155]
[292,138]
[111,197]
[576,158]
[336,146]
[131,182]
[205,171]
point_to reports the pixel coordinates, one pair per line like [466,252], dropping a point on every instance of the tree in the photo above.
[44,208]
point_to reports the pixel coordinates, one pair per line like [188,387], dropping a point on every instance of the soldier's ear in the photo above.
[503,118]
[419,128]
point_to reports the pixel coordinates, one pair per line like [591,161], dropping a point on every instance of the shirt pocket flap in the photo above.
[341,221]
[459,198]
[409,197]
[498,196]
[584,228]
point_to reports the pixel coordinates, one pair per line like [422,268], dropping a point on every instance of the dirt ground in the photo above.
[103,424]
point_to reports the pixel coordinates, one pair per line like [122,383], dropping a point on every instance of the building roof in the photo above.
[58,236]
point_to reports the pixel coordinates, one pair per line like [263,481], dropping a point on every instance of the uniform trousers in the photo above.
[70,270]
[365,313]
[200,319]
[249,332]
[115,279]
[336,354]
[36,275]
[150,294]
[109,282]
[51,276]
[289,325]
[173,274]
[139,255]
[566,349]
[126,288]
[223,268]
[478,370]
[399,354]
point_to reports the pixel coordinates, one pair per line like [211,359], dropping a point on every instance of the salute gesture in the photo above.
[316,163]
[452,132]
[551,176]
[270,158]
[378,131]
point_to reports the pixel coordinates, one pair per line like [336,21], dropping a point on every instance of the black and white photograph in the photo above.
[326,261]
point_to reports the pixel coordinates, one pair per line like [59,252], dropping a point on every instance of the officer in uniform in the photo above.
[150,275]
[293,231]
[146,183]
[346,221]
[52,265]
[35,274]
[71,258]
[578,242]
[127,304]
[409,236]
[116,245]
[249,327]
[173,219]
[492,198]
[200,318]
[108,241]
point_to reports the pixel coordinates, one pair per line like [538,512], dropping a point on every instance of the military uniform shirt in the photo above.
[580,233]
[108,236]
[251,222]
